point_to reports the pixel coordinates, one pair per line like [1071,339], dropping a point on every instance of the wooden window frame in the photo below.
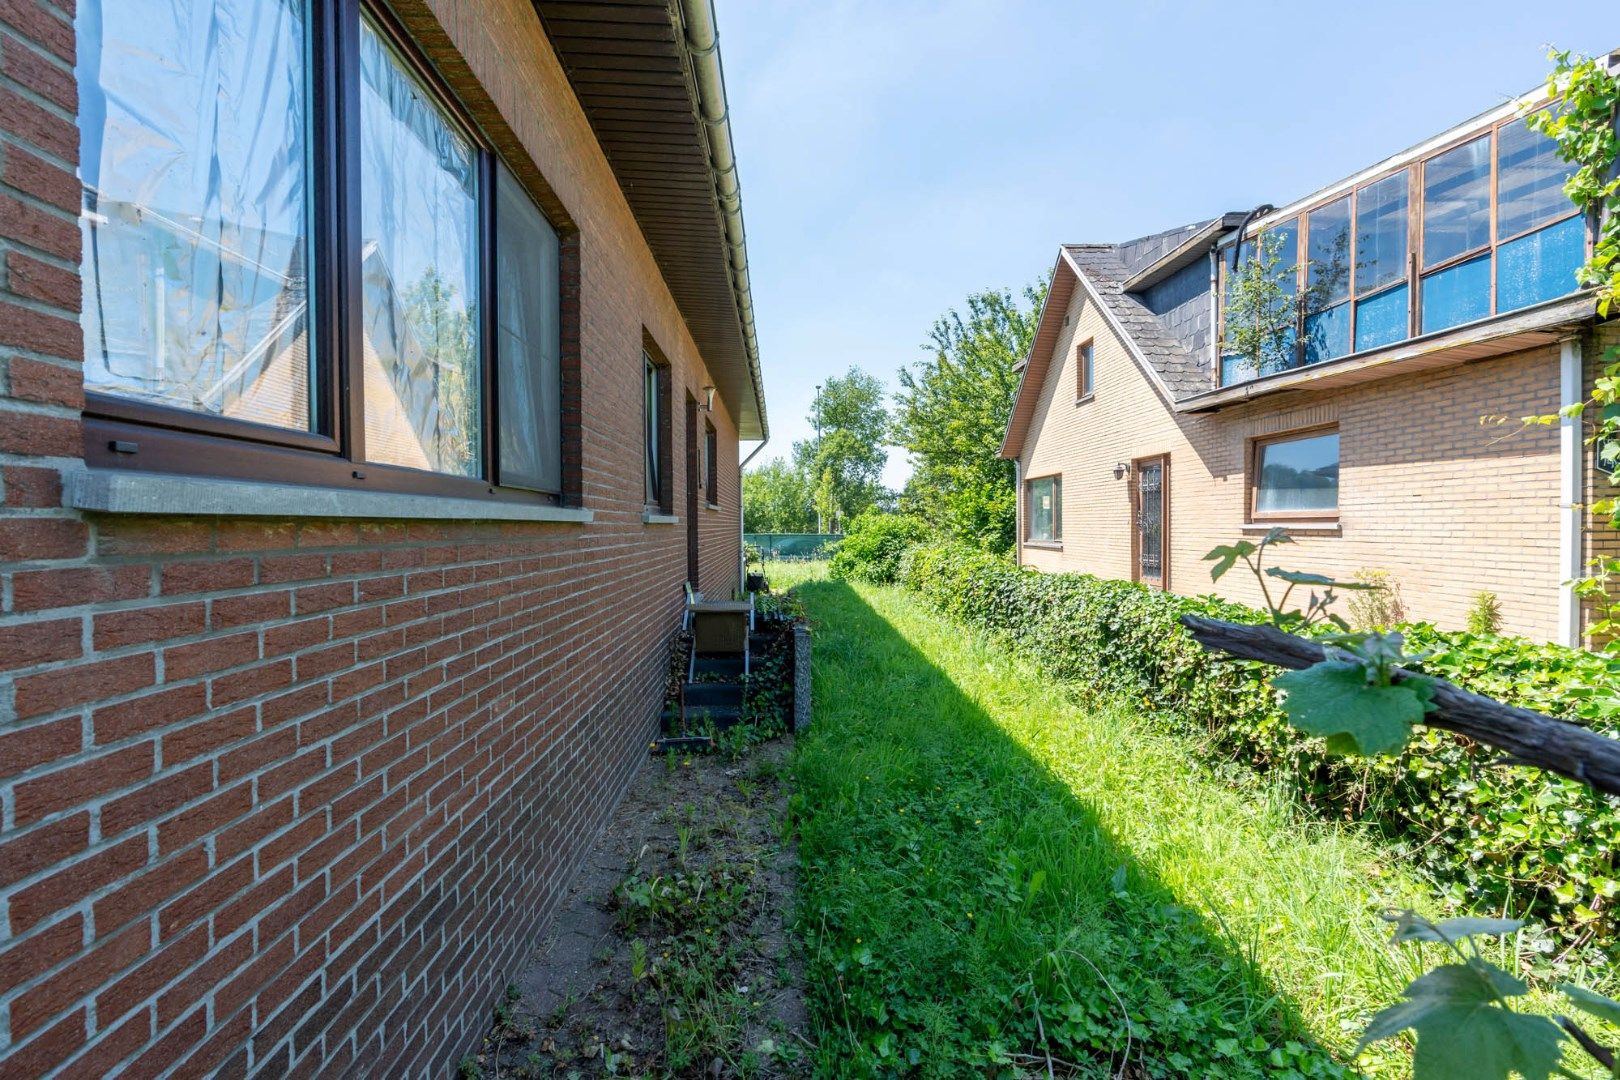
[125,433]
[1056,539]
[1416,272]
[1252,482]
[1085,359]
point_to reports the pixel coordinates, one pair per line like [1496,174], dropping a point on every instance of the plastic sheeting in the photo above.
[419,271]
[193,122]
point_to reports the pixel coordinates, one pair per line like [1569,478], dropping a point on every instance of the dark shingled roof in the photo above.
[1105,267]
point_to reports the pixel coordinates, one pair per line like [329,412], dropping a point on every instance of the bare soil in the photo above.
[672,954]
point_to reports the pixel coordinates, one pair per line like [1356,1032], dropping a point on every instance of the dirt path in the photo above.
[671,955]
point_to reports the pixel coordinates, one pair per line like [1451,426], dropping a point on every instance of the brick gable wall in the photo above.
[297,795]
[1449,506]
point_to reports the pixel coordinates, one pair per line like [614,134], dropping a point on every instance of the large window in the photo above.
[359,294]
[1043,510]
[1493,232]
[198,209]
[1295,476]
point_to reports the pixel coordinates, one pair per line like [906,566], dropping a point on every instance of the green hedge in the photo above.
[873,544]
[1514,840]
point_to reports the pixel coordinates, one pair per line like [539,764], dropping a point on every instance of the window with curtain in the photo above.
[528,298]
[652,413]
[1296,476]
[1043,508]
[195,133]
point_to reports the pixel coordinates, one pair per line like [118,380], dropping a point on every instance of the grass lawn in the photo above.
[991,874]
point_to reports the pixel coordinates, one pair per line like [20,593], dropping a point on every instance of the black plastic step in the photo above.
[729,667]
[712,695]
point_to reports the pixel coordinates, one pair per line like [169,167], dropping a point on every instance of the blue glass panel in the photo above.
[1236,369]
[1540,266]
[1327,334]
[1457,295]
[1381,320]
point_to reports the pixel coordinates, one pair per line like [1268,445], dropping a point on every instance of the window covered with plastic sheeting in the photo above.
[419,269]
[194,126]
[527,301]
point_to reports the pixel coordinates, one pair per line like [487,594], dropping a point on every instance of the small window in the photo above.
[1085,370]
[1296,476]
[711,464]
[1044,511]
[656,422]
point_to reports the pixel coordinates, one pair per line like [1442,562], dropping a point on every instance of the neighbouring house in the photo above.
[372,374]
[1432,302]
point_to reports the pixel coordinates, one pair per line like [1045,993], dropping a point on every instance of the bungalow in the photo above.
[372,374]
[1428,296]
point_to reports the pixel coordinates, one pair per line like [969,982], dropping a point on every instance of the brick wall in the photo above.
[1448,506]
[297,795]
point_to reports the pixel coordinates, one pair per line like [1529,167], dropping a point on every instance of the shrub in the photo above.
[873,544]
[1379,606]
[1485,617]
[1504,839]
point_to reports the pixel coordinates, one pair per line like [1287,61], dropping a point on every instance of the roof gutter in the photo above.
[703,47]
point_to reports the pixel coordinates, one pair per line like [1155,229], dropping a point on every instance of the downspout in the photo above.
[742,545]
[1571,477]
[1018,509]
[703,47]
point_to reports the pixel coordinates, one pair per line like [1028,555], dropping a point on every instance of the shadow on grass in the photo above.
[965,914]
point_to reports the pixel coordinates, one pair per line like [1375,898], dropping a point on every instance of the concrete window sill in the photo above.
[1045,545]
[114,491]
[655,517]
[1293,526]
[711,506]
[1085,399]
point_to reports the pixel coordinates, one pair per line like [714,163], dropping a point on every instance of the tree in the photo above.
[1261,308]
[846,456]
[952,410]
[776,498]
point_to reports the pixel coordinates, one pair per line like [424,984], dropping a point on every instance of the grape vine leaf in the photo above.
[1463,1032]
[1599,1006]
[1333,699]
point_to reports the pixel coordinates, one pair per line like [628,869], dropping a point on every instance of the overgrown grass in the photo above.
[992,874]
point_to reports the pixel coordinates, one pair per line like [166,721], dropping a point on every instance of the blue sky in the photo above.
[897,155]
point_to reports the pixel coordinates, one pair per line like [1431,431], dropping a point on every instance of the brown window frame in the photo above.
[658,491]
[1415,271]
[1162,582]
[711,465]
[1057,509]
[1252,483]
[124,433]
[1085,360]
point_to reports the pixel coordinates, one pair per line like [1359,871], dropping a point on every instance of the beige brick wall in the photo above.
[1448,505]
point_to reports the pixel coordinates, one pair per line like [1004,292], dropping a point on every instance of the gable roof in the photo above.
[1102,271]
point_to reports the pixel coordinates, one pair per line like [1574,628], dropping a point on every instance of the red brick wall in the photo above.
[297,795]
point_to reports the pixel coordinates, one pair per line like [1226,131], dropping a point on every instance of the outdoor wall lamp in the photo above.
[708,399]
[1120,469]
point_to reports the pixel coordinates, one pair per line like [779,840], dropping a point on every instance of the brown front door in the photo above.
[1150,507]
